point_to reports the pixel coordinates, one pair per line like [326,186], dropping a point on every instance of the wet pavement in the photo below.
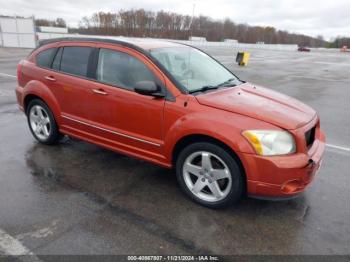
[77,198]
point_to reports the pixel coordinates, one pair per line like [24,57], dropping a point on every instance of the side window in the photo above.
[75,60]
[57,60]
[44,58]
[121,69]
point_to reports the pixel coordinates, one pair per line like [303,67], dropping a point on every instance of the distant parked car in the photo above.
[175,106]
[303,49]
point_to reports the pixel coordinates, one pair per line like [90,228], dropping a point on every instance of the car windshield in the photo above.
[195,70]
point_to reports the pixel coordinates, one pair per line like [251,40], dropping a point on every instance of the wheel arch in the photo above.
[27,99]
[37,90]
[196,138]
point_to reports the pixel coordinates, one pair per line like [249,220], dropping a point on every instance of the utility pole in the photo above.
[191,26]
[194,6]
[1,36]
[17,33]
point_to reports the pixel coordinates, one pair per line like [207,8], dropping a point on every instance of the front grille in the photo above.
[310,136]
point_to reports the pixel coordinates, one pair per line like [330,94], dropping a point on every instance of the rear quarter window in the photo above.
[44,58]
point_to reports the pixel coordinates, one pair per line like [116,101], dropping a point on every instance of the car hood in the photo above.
[260,103]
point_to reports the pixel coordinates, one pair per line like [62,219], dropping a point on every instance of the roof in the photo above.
[149,43]
[143,43]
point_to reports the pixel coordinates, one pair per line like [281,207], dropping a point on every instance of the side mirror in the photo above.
[148,88]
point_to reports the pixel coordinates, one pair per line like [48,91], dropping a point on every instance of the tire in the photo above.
[42,123]
[201,181]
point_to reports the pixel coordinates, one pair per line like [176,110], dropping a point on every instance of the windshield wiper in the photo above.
[226,83]
[203,89]
[209,87]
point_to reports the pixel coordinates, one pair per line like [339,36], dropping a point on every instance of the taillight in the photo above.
[19,72]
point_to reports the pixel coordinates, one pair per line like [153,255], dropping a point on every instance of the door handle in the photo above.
[99,91]
[50,78]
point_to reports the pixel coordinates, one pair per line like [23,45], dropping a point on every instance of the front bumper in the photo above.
[283,177]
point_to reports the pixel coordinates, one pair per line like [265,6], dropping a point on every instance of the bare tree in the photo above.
[59,22]
[164,24]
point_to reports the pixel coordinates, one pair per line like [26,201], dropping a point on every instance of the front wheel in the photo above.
[209,175]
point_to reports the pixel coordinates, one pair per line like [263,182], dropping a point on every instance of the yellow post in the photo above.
[245,59]
[242,58]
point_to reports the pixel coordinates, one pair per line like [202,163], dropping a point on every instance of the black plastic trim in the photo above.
[92,63]
[54,57]
[275,199]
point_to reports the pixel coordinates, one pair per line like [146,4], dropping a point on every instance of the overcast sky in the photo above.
[310,17]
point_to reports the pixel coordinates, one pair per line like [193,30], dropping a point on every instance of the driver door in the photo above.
[131,121]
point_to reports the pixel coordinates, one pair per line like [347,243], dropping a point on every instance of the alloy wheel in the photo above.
[207,176]
[40,122]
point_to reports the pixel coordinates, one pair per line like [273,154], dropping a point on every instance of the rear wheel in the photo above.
[42,123]
[209,175]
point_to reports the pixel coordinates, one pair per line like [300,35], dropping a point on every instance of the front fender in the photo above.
[221,125]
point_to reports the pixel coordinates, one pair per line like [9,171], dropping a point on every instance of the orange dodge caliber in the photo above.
[175,106]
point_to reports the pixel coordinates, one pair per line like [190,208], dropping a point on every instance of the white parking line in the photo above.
[7,75]
[12,247]
[339,147]
[331,63]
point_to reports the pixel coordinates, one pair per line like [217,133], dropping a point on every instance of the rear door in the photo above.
[72,84]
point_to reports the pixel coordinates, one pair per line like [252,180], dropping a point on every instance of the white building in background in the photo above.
[228,40]
[17,32]
[21,32]
[197,39]
[52,29]
[48,32]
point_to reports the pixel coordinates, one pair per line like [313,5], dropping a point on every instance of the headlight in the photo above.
[271,142]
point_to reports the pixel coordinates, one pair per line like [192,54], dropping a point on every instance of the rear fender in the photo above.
[42,91]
